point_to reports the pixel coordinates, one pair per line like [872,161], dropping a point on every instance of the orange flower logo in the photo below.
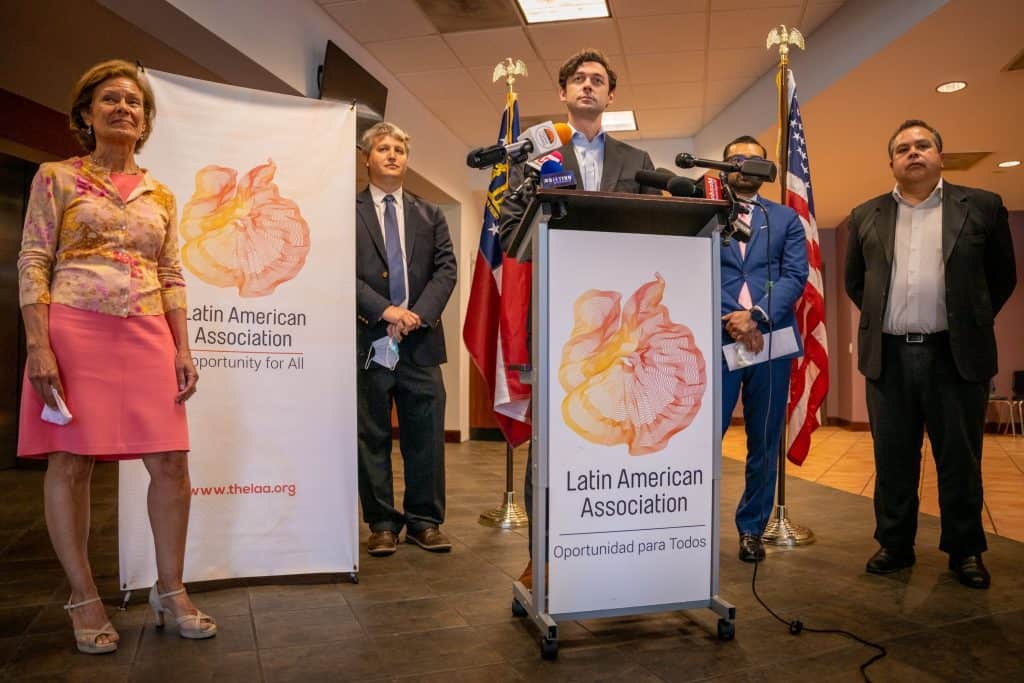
[243,233]
[632,377]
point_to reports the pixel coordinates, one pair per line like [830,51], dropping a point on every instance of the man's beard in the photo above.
[746,185]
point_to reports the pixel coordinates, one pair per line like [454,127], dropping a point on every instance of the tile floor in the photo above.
[417,616]
[843,460]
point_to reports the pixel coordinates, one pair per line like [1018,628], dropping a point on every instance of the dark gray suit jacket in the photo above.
[621,162]
[430,272]
[979,266]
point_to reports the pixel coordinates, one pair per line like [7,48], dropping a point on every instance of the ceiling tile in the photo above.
[816,15]
[533,104]
[748,28]
[450,16]
[562,39]
[668,123]
[724,92]
[487,48]
[375,20]
[537,81]
[726,5]
[453,83]
[744,62]
[664,33]
[666,67]
[666,95]
[641,8]
[427,53]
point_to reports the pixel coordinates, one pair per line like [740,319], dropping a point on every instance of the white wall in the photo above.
[288,37]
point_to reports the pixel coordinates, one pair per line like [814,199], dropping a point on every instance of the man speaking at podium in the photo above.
[762,280]
[599,162]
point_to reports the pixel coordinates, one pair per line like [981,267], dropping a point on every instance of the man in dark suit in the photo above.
[599,162]
[586,84]
[929,265]
[761,282]
[405,273]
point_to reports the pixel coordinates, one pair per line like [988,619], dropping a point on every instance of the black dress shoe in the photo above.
[887,561]
[970,571]
[751,549]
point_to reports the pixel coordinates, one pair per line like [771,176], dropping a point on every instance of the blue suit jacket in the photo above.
[788,244]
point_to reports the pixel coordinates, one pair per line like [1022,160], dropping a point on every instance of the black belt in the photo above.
[918,337]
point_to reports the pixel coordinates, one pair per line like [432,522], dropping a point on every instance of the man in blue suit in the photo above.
[761,283]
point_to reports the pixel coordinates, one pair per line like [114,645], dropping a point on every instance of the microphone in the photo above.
[533,142]
[752,168]
[663,179]
[554,176]
[536,166]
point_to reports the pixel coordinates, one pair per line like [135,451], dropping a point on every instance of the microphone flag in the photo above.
[495,330]
[808,380]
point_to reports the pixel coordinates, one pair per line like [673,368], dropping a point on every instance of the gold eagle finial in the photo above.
[784,37]
[509,69]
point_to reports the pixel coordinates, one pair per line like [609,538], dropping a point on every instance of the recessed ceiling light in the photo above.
[618,120]
[1009,164]
[540,11]
[951,86]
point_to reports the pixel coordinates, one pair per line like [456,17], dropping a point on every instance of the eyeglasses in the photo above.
[740,158]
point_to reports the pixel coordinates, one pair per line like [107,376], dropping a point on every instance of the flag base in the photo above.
[782,532]
[510,515]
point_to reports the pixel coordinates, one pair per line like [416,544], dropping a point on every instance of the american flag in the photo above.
[808,381]
[495,330]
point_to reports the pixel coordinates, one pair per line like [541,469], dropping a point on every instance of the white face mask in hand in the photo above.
[383,352]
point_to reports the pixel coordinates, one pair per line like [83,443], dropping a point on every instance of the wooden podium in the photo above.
[627,422]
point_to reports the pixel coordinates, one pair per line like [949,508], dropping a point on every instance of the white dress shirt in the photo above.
[590,157]
[917,289]
[378,203]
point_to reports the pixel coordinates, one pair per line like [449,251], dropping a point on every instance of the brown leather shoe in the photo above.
[430,539]
[382,543]
[526,578]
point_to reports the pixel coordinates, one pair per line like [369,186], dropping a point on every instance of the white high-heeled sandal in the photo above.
[86,638]
[193,626]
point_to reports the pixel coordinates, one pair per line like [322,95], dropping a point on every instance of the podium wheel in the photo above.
[517,609]
[353,577]
[548,649]
[726,629]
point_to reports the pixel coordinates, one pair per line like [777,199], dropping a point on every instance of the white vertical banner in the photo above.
[631,421]
[265,189]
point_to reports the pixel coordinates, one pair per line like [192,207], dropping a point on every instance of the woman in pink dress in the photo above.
[103,299]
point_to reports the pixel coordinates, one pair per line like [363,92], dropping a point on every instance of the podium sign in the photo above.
[631,433]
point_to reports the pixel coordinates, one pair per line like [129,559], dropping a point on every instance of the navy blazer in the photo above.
[784,234]
[430,272]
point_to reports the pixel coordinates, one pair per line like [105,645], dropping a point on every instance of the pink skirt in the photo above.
[119,385]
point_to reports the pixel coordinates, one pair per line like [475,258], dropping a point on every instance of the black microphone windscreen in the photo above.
[658,179]
[679,186]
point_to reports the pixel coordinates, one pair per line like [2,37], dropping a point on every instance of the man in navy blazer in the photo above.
[405,273]
[761,282]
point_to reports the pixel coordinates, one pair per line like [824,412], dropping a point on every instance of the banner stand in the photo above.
[667,558]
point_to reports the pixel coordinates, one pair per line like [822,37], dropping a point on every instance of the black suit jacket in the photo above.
[979,267]
[430,272]
[621,162]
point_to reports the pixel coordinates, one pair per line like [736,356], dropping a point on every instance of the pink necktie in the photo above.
[744,298]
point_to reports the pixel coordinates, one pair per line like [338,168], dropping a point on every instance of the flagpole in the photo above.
[510,514]
[781,531]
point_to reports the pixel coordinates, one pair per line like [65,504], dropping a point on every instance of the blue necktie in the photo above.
[393,243]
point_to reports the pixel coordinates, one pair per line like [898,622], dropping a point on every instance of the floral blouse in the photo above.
[85,247]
